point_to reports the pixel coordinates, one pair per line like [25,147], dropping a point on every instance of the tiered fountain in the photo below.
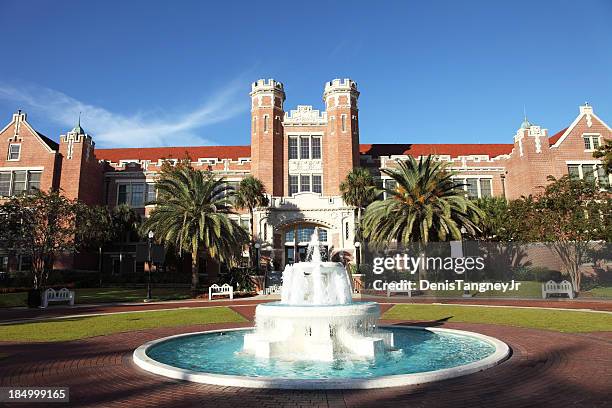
[316,337]
[316,318]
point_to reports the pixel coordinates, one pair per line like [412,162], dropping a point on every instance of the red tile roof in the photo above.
[554,138]
[156,153]
[235,152]
[454,150]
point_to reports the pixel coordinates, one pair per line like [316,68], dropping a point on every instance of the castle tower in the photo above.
[81,174]
[530,159]
[342,133]
[267,141]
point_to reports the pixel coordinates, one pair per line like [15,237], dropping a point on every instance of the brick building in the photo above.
[301,155]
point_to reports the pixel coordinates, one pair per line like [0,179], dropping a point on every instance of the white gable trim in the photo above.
[31,129]
[573,125]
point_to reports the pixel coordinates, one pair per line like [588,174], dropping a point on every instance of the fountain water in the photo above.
[316,318]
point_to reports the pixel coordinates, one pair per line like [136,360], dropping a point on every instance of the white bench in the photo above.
[272,290]
[552,287]
[389,290]
[62,295]
[222,290]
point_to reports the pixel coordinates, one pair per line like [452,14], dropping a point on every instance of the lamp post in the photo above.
[357,254]
[149,275]
[257,246]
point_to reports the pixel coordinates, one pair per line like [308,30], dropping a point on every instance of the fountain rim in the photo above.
[501,354]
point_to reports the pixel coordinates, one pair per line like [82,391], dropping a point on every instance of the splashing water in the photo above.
[316,318]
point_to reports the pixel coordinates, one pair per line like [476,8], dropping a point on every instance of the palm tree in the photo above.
[250,195]
[358,190]
[426,205]
[192,214]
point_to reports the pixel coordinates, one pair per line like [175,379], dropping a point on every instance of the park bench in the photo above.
[216,290]
[62,295]
[389,291]
[552,287]
[272,290]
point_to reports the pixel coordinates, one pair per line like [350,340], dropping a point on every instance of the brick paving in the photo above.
[547,369]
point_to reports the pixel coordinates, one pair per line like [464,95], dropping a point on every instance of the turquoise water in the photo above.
[418,350]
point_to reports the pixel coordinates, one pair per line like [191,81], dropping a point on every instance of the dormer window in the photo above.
[14,151]
[591,142]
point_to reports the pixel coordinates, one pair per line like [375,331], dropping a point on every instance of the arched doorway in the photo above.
[295,238]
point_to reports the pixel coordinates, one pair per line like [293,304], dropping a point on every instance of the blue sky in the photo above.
[149,73]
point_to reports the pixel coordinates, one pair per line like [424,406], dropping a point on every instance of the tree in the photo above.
[125,223]
[604,152]
[251,194]
[41,226]
[574,216]
[358,190]
[426,205]
[192,213]
[95,229]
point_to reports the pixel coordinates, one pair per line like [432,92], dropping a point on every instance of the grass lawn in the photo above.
[104,295]
[556,320]
[90,326]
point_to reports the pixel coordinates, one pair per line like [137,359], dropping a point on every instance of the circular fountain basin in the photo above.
[282,310]
[421,355]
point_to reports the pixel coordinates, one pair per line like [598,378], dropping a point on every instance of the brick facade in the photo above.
[301,155]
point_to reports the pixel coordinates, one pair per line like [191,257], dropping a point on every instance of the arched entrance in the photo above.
[295,238]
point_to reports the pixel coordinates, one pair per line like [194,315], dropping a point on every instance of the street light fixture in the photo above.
[151,235]
[357,254]
[257,246]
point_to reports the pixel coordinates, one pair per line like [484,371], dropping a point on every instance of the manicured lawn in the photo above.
[104,295]
[90,326]
[556,320]
[600,291]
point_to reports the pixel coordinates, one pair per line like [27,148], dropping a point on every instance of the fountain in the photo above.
[317,337]
[316,318]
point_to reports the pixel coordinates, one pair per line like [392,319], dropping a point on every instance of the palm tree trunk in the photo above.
[195,276]
[358,229]
[251,251]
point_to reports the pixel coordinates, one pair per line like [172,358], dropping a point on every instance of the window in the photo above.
[246,224]
[590,172]
[18,182]
[151,192]
[132,194]
[293,148]
[293,185]
[389,185]
[316,184]
[14,151]
[265,118]
[574,171]
[343,118]
[472,188]
[305,182]
[591,142]
[304,233]
[255,125]
[138,195]
[476,187]
[5,184]
[304,147]
[333,124]
[33,181]
[316,148]
[485,188]
[25,263]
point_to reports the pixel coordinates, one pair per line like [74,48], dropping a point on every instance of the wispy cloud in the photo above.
[111,129]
